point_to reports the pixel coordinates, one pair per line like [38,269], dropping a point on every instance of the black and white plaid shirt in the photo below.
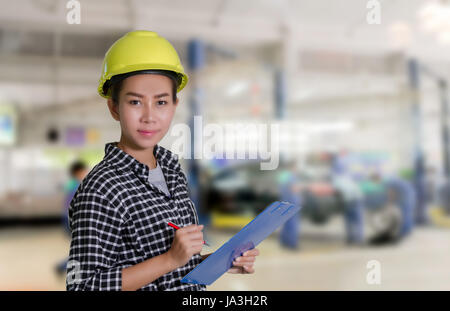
[118,219]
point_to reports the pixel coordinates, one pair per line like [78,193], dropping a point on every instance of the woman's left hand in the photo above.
[244,263]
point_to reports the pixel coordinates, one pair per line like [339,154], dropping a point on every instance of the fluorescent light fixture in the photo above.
[323,127]
[435,18]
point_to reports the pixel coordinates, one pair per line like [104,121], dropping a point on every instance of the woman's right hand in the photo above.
[187,242]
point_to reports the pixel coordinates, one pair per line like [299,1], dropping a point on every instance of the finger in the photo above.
[252,252]
[241,264]
[235,270]
[191,228]
[245,259]
[241,270]
[198,246]
[196,251]
[195,235]
[249,269]
[196,242]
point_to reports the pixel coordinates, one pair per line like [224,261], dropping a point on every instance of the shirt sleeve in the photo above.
[95,227]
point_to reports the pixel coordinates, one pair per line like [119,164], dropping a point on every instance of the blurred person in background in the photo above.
[289,188]
[401,195]
[352,197]
[77,171]
[443,195]
[431,183]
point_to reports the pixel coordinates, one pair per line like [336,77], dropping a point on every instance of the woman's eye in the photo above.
[134,102]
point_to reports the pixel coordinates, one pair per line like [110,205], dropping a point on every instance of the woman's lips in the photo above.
[147,133]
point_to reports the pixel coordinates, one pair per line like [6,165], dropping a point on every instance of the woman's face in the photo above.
[145,109]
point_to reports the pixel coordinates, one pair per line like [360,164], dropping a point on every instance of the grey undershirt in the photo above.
[156,177]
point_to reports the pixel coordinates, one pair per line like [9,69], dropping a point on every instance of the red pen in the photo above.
[176,228]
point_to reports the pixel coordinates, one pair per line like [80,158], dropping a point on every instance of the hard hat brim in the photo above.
[176,77]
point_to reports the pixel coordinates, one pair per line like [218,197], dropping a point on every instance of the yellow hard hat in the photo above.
[140,51]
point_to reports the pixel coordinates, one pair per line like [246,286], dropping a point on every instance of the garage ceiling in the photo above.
[39,50]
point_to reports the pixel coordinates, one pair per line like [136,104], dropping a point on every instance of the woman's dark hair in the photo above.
[116,83]
[77,166]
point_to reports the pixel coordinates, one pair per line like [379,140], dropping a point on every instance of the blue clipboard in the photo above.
[216,264]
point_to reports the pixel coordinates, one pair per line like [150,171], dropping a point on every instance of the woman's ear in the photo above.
[113,109]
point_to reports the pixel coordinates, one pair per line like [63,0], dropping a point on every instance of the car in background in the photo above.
[244,190]
[234,195]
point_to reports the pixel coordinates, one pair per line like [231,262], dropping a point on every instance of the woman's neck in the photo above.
[144,156]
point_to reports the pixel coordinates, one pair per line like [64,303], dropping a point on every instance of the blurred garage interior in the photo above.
[363,115]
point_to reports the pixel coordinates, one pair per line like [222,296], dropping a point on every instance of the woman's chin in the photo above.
[146,142]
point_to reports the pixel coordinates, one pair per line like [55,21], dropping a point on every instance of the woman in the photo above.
[119,214]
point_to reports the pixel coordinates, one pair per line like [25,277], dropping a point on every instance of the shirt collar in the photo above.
[123,161]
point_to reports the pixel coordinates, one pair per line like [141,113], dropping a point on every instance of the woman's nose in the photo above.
[148,112]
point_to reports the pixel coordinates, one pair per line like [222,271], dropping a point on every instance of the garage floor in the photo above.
[324,262]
